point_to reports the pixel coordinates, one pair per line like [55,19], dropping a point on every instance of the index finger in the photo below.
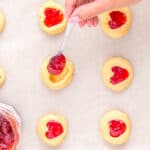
[70,5]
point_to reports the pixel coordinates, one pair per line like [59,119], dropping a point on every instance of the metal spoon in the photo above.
[69,28]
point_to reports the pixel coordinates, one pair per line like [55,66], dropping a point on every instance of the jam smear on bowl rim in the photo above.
[118,19]
[120,74]
[117,128]
[53,17]
[55,129]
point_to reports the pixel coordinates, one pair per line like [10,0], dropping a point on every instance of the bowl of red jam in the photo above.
[10,127]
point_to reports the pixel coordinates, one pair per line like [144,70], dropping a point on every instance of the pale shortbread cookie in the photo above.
[105,130]
[57,82]
[42,129]
[56,28]
[119,32]
[2,77]
[107,73]
[2,22]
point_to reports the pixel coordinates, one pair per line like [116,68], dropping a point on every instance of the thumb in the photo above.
[69,7]
[91,9]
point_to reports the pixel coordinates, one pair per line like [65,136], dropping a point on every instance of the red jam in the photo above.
[6,134]
[118,19]
[53,17]
[117,128]
[120,74]
[55,129]
[56,64]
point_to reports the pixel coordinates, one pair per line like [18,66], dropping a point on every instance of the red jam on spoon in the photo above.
[55,129]
[6,134]
[53,17]
[117,128]
[120,74]
[118,19]
[56,64]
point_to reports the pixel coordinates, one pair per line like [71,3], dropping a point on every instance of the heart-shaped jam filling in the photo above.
[53,17]
[56,64]
[6,134]
[120,74]
[55,129]
[118,19]
[117,128]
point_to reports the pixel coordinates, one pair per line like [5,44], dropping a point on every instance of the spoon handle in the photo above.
[67,33]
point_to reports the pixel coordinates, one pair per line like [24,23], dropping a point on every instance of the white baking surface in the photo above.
[23,48]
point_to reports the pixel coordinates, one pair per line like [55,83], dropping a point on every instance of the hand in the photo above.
[87,11]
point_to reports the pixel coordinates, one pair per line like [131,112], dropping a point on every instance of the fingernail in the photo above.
[75,19]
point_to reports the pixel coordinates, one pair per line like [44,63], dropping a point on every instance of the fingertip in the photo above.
[92,21]
[81,24]
[96,21]
[89,22]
